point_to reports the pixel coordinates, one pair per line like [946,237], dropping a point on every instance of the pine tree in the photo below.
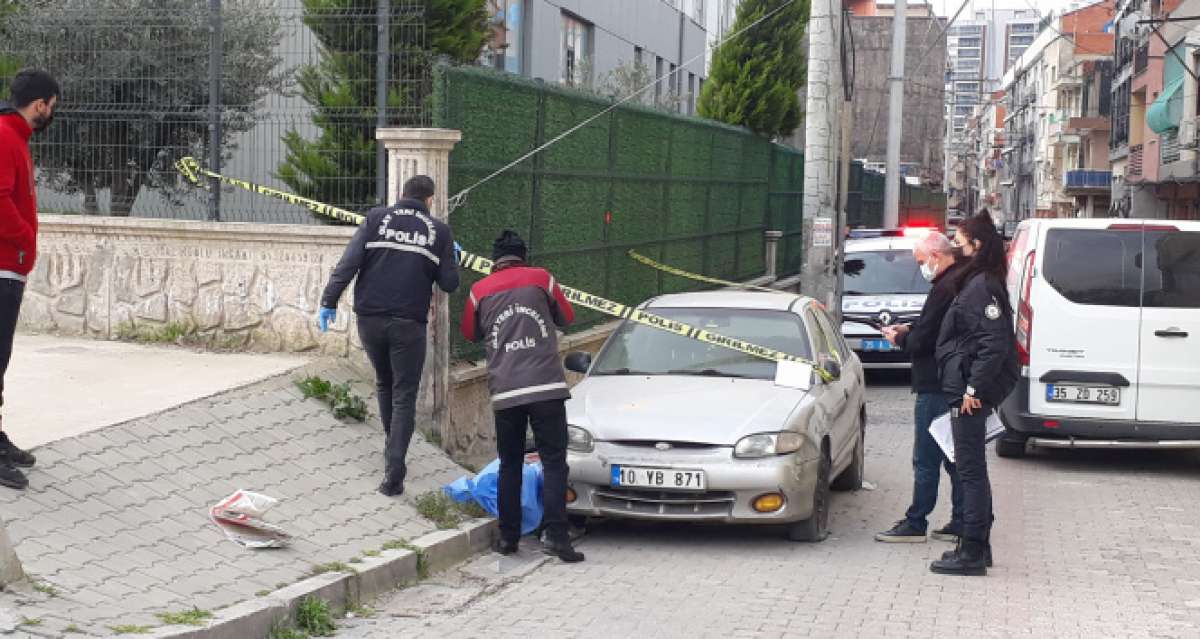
[757,75]
[338,166]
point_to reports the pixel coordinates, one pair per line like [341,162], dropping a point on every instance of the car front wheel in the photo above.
[816,527]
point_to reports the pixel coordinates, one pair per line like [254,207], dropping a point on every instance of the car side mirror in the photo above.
[832,368]
[578,362]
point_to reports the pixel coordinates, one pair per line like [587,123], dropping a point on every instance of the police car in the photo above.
[882,286]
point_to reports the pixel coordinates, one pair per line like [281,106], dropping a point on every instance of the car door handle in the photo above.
[1171,332]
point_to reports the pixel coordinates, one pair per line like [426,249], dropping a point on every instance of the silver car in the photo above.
[668,428]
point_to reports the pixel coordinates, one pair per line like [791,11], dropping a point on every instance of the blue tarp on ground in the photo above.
[484,490]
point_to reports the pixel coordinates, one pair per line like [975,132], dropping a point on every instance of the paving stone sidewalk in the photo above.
[115,522]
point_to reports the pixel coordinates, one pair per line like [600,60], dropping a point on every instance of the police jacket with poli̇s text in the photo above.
[514,311]
[397,254]
[976,345]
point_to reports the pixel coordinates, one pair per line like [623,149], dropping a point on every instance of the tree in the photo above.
[135,86]
[756,76]
[338,165]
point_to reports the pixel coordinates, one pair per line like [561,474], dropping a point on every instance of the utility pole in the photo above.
[891,191]
[822,144]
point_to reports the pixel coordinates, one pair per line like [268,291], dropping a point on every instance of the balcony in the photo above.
[1084,126]
[1133,166]
[1141,60]
[1078,181]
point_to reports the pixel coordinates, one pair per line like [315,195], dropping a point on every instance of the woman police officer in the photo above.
[977,357]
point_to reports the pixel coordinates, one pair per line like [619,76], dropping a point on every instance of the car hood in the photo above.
[703,410]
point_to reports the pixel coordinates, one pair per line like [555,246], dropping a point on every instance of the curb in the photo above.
[375,576]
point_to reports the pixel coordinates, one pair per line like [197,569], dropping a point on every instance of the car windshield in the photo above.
[637,349]
[883,273]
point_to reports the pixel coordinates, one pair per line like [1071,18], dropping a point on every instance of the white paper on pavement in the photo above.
[943,433]
[240,517]
[793,375]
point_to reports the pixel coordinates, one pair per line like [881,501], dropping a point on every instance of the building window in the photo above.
[691,96]
[673,87]
[503,48]
[658,80]
[576,51]
[969,42]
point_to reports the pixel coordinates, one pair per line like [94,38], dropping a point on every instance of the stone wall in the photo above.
[254,286]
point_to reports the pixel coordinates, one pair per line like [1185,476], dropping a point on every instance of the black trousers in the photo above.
[396,348]
[11,294]
[970,458]
[549,422]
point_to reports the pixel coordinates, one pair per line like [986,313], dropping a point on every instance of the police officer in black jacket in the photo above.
[977,356]
[398,254]
[919,340]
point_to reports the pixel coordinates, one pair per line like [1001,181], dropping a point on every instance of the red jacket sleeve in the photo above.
[470,319]
[13,227]
[564,314]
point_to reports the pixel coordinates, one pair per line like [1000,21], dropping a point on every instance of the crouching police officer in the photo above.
[514,310]
[397,255]
[977,353]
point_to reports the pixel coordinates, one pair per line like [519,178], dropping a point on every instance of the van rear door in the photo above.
[1169,384]
[1085,321]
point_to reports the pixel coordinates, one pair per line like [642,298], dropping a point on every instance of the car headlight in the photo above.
[767,444]
[579,440]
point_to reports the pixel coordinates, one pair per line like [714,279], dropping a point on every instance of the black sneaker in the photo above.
[563,550]
[391,488]
[11,477]
[950,532]
[505,547]
[902,533]
[18,457]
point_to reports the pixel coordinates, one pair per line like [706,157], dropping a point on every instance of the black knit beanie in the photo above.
[509,244]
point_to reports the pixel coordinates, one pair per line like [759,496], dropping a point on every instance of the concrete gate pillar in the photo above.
[427,152]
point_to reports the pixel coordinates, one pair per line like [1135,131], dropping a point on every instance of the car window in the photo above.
[1094,266]
[638,349]
[883,273]
[1172,265]
[825,347]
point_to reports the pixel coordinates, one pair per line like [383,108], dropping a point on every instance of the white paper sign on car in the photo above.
[943,433]
[794,375]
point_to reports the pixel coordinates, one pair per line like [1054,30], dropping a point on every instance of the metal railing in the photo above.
[1087,179]
[1133,166]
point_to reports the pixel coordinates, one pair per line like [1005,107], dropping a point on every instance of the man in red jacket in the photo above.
[34,95]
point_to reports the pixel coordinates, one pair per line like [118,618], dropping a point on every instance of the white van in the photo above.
[1107,316]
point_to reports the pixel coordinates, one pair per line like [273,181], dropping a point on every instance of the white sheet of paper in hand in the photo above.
[943,434]
[794,375]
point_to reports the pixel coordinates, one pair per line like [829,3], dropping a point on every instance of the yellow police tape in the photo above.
[637,257]
[192,170]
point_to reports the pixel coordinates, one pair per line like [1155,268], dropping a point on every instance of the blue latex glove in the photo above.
[325,318]
[457,252]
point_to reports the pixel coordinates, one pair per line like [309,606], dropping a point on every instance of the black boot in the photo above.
[504,547]
[10,476]
[968,560]
[562,549]
[16,456]
[987,554]
[391,487]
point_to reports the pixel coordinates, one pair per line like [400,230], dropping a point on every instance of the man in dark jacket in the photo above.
[920,340]
[515,311]
[34,97]
[398,254]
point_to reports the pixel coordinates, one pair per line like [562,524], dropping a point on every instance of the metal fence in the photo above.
[684,191]
[298,89]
